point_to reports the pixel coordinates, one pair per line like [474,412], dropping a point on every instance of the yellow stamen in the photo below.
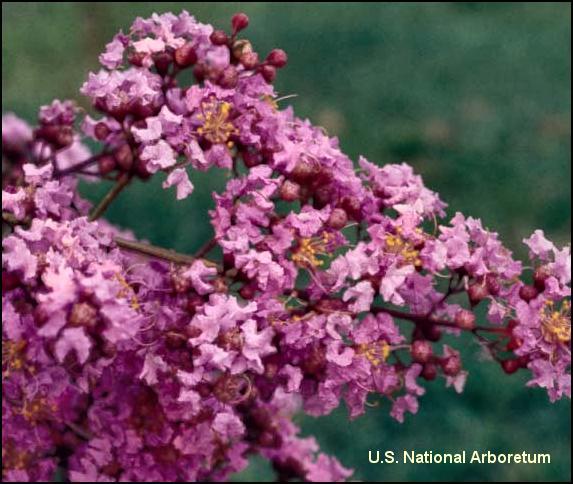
[556,325]
[397,245]
[308,250]
[216,126]
[376,352]
[127,291]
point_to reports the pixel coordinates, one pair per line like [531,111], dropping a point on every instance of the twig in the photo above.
[158,252]
[79,166]
[100,209]
[205,248]
[424,319]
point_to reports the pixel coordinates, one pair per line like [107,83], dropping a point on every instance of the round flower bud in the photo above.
[429,372]
[106,164]
[451,365]
[527,293]
[465,319]
[492,284]
[421,351]
[269,73]
[240,21]
[228,78]
[337,219]
[101,131]
[185,55]
[432,333]
[124,157]
[247,292]
[290,191]
[162,62]
[277,58]
[510,366]
[249,60]
[199,72]
[540,276]
[219,37]
[476,293]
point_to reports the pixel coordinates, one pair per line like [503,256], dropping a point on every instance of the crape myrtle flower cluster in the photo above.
[126,361]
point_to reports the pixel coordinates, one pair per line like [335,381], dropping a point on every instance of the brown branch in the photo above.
[79,166]
[158,252]
[100,209]
[428,320]
[205,248]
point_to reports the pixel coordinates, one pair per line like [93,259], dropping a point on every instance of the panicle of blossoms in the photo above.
[126,361]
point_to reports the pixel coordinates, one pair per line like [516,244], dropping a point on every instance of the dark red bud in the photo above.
[106,164]
[421,351]
[540,276]
[162,62]
[465,319]
[101,131]
[124,157]
[240,21]
[269,73]
[432,333]
[199,72]
[527,293]
[219,37]
[337,219]
[429,372]
[477,292]
[510,366]
[290,191]
[229,77]
[185,55]
[451,365]
[277,58]
[492,284]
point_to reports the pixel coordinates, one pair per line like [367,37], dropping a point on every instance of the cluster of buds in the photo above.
[124,361]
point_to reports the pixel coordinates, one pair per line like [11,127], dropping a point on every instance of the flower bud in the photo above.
[277,58]
[229,77]
[101,131]
[421,351]
[240,21]
[249,60]
[185,55]
[429,372]
[451,365]
[219,37]
[290,191]
[124,157]
[269,73]
[510,366]
[432,333]
[492,284]
[337,219]
[527,293]
[162,62]
[106,164]
[465,319]
[540,276]
[477,292]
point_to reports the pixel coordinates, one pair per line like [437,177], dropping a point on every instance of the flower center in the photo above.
[556,325]
[127,292]
[376,352]
[216,126]
[398,246]
[308,250]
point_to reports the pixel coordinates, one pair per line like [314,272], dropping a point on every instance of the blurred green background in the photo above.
[476,96]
